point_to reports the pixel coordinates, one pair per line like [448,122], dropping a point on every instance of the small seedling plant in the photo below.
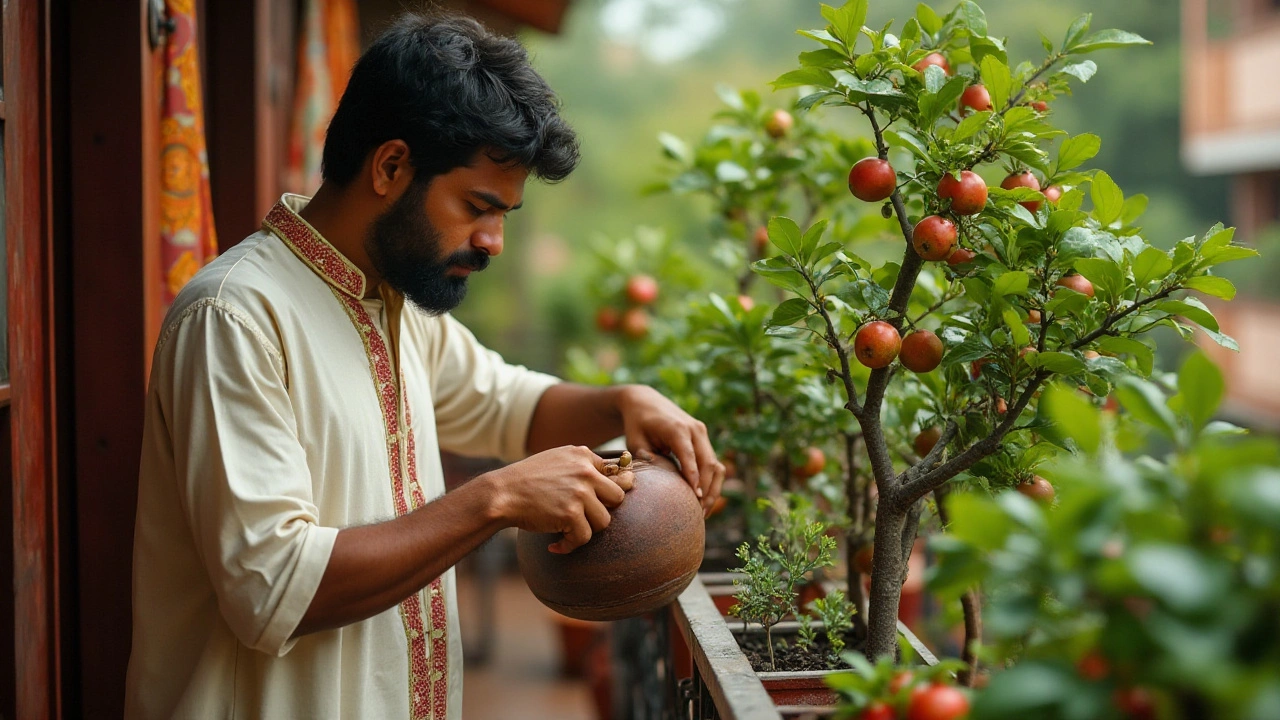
[776,568]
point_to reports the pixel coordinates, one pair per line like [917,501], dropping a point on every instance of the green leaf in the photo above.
[1011,283]
[1105,275]
[983,47]
[967,351]
[1145,402]
[1196,313]
[805,76]
[790,311]
[1107,39]
[1150,264]
[1078,28]
[970,126]
[1057,362]
[1218,287]
[1225,341]
[875,296]
[928,19]
[812,100]
[1032,689]
[1134,206]
[846,23]
[809,243]
[1143,354]
[1083,70]
[731,172]
[825,58]
[1180,577]
[776,271]
[1201,386]
[1076,417]
[972,17]
[675,148]
[1078,150]
[1235,252]
[934,78]
[825,38]
[995,76]
[1108,199]
[1014,321]
[908,140]
[785,234]
[977,520]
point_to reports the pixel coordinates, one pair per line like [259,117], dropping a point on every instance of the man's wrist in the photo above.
[625,397]
[496,500]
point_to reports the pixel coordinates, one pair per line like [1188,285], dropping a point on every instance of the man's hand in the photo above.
[562,490]
[652,423]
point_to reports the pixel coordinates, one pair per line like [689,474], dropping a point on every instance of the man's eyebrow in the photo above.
[495,201]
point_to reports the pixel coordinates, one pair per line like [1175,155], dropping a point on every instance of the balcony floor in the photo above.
[521,677]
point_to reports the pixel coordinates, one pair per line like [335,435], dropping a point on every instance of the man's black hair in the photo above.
[448,88]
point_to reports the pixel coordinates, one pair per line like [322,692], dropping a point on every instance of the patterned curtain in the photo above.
[327,49]
[187,237]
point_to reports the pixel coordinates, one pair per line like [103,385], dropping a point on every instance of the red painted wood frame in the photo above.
[29,232]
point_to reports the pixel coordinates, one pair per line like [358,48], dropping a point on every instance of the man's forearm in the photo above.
[375,567]
[571,414]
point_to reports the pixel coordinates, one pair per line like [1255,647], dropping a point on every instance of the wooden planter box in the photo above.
[723,683]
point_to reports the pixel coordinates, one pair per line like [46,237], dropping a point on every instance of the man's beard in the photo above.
[405,250]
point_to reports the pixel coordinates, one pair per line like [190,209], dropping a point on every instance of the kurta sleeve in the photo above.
[242,473]
[483,405]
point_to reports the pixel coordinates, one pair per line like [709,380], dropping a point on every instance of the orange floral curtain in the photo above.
[327,49]
[187,236]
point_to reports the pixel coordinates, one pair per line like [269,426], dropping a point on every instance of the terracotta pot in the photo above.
[649,553]
[799,688]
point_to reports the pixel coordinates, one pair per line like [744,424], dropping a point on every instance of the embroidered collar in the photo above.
[311,248]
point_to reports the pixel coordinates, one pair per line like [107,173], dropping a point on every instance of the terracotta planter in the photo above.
[799,688]
[804,687]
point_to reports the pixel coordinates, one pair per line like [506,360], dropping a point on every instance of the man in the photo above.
[294,543]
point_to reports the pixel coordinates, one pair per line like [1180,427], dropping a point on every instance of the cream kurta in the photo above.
[273,419]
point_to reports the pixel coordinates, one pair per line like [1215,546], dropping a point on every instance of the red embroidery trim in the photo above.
[428,672]
[314,250]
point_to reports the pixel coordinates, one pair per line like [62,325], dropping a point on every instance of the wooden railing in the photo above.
[723,686]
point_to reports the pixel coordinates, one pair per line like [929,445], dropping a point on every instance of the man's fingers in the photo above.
[708,465]
[597,515]
[609,491]
[714,496]
[576,536]
[683,449]
[625,480]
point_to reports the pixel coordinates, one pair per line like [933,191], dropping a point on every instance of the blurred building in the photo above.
[87,91]
[1231,126]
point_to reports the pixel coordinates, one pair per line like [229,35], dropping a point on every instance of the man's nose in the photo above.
[488,239]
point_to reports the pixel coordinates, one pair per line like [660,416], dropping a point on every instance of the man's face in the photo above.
[428,242]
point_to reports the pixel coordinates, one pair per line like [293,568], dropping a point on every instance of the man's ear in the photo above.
[390,168]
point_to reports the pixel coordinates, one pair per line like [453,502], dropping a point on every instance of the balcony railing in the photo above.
[685,664]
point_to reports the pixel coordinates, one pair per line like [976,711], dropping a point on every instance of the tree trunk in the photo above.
[855,500]
[888,567]
[971,604]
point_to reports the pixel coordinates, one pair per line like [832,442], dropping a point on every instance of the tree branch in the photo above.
[935,454]
[833,339]
[918,487]
[1116,317]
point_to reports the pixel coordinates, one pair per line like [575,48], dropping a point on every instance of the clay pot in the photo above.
[645,558]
